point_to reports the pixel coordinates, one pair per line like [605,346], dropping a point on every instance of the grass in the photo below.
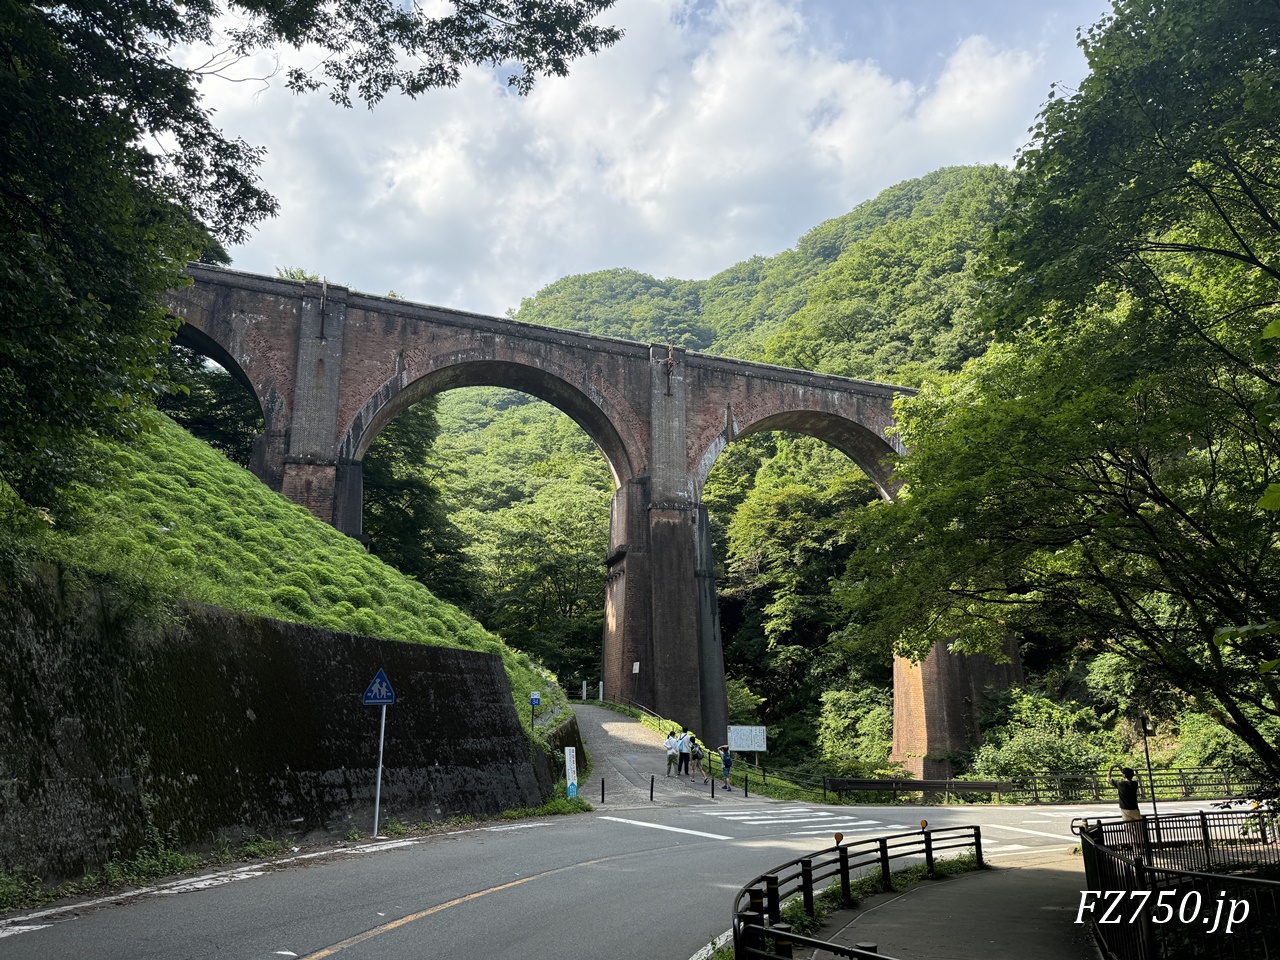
[174,519]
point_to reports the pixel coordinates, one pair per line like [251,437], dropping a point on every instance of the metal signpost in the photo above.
[571,771]
[535,698]
[379,694]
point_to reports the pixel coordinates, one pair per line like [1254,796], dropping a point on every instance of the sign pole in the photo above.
[379,694]
[377,793]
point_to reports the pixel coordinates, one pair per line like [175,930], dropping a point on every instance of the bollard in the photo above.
[806,886]
[746,785]
[651,779]
[977,845]
[886,876]
[771,905]
[602,789]
[747,941]
[782,945]
[928,852]
[846,893]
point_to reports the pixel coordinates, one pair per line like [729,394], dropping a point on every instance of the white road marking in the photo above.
[841,827]
[820,818]
[517,826]
[659,826]
[206,883]
[14,931]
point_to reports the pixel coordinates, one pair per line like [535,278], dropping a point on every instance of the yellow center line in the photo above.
[392,925]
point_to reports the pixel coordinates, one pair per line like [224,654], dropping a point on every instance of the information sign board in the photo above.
[747,738]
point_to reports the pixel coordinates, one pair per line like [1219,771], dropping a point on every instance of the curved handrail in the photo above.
[757,906]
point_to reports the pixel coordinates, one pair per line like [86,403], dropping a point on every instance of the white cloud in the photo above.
[703,137]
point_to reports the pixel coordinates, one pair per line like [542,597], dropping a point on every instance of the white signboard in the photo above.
[747,738]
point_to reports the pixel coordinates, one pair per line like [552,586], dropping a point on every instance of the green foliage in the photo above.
[621,303]
[1031,733]
[744,706]
[558,805]
[898,303]
[1095,477]
[404,512]
[855,732]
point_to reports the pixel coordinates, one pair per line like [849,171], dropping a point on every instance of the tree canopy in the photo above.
[1095,476]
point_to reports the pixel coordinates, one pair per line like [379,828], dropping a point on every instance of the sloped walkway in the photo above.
[1019,909]
[626,755]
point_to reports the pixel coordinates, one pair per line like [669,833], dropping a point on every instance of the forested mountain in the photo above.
[893,270]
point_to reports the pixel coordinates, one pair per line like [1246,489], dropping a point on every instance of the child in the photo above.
[726,761]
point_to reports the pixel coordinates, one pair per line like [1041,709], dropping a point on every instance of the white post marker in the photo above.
[571,771]
[379,694]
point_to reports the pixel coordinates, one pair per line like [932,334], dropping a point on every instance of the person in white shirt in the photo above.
[673,755]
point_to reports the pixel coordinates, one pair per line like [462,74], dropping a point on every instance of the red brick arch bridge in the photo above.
[331,367]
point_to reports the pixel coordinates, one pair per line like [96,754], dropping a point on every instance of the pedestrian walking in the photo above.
[673,757]
[726,762]
[695,761]
[682,746]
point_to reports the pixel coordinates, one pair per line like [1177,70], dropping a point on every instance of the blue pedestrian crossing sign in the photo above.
[379,693]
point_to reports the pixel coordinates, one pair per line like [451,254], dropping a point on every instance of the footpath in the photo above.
[1023,907]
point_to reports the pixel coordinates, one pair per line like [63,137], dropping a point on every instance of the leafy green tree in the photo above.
[855,731]
[1036,733]
[1165,155]
[1097,483]
[405,516]
[97,216]
[541,565]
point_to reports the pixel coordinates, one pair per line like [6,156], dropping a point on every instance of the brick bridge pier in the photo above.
[331,367]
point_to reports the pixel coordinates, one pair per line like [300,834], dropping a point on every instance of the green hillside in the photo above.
[169,517]
[924,228]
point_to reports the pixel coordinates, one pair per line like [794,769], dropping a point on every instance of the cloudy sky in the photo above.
[714,130]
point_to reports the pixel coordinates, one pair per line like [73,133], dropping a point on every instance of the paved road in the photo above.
[634,880]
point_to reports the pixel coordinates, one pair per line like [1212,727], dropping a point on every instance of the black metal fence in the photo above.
[1179,887]
[758,930]
[1185,783]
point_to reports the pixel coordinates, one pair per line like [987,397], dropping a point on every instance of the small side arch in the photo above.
[875,455]
[196,339]
[398,394]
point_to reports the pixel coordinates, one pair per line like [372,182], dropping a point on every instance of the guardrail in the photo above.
[1187,783]
[758,930]
[1173,886]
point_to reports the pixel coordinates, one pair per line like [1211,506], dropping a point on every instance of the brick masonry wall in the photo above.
[212,724]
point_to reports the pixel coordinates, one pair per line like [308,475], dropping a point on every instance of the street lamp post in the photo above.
[1155,812]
